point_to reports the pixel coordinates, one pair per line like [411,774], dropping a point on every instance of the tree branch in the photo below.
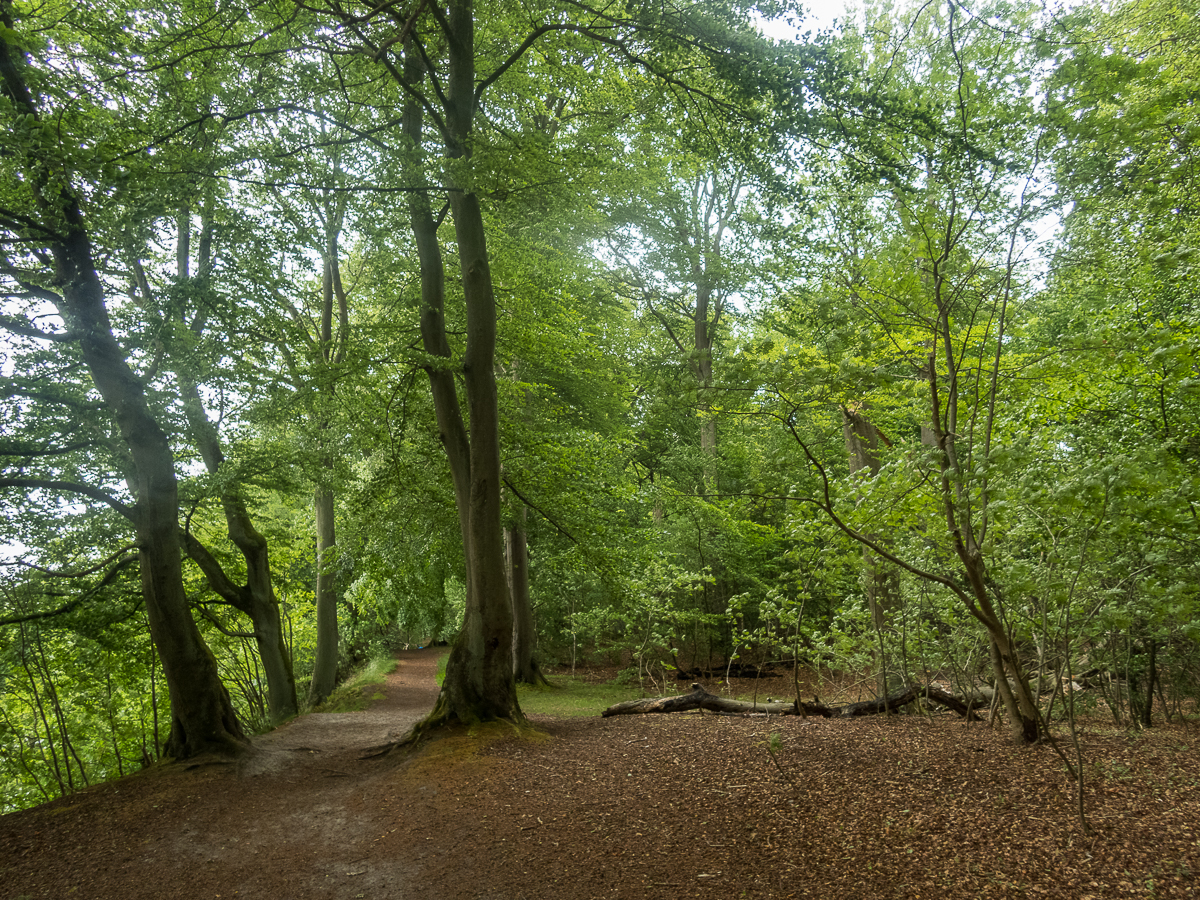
[542,513]
[73,487]
[82,572]
[216,623]
[214,574]
[78,601]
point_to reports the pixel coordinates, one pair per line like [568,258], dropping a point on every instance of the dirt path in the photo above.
[295,819]
[676,807]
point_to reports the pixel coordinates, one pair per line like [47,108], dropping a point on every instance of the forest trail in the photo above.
[318,740]
[679,807]
[296,818]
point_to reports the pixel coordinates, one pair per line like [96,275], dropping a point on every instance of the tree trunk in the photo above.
[882,582]
[479,684]
[1011,682]
[202,715]
[1147,717]
[332,350]
[704,378]
[325,668]
[256,599]
[525,667]
[482,684]
[1025,721]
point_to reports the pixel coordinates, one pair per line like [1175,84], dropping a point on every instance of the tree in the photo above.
[676,261]
[432,56]
[43,218]
[939,289]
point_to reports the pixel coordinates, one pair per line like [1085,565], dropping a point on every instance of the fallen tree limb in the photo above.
[699,698]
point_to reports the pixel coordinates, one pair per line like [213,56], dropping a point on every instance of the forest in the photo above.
[679,335]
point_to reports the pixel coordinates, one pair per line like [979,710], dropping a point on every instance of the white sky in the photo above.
[821,13]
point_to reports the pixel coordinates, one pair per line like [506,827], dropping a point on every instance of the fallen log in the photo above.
[965,708]
[699,698]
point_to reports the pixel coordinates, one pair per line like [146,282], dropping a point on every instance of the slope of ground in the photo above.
[682,806]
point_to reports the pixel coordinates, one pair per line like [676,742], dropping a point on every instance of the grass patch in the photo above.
[573,697]
[566,696]
[352,694]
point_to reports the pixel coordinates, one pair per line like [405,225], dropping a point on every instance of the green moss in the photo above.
[351,695]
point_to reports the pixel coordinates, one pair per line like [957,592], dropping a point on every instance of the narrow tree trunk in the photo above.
[256,598]
[325,668]
[1151,676]
[332,350]
[704,379]
[525,667]
[882,582]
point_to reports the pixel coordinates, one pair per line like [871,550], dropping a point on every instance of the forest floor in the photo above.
[661,806]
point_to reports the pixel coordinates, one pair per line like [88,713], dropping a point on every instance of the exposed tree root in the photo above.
[440,719]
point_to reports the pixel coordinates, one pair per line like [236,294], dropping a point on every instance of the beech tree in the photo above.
[52,261]
[445,64]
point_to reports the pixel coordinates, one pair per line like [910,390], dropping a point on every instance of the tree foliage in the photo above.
[870,350]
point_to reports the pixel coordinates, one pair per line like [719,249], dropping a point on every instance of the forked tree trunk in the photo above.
[482,686]
[256,598]
[1024,718]
[202,715]
[479,684]
[1025,721]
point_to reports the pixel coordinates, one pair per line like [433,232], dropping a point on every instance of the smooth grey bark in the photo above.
[202,715]
[525,667]
[332,350]
[701,229]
